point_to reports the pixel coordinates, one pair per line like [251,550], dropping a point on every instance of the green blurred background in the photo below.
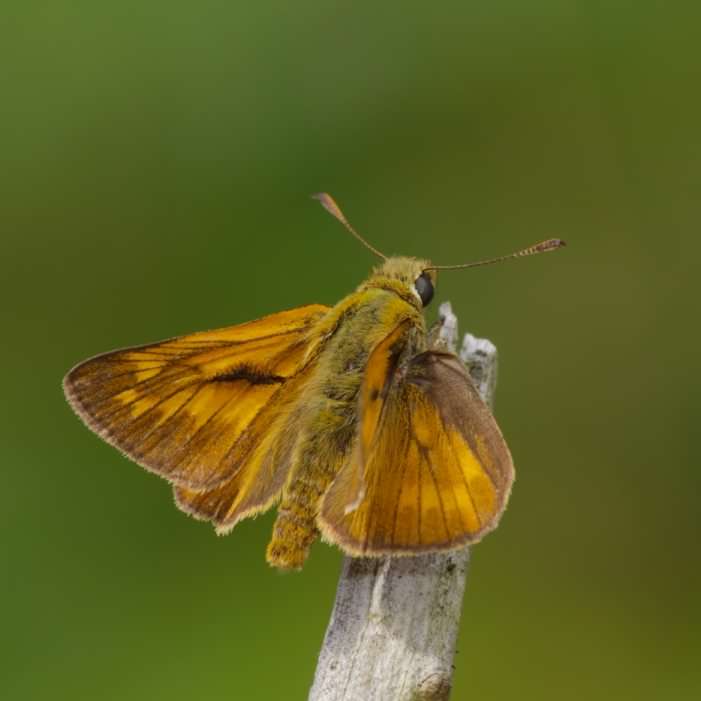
[157,159]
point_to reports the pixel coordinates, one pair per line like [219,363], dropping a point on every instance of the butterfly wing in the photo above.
[195,409]
[259,481]
[430,470]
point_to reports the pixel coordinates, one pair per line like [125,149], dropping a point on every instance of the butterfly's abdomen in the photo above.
[324,432]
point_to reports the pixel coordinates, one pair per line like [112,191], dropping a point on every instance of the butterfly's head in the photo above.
[412,276]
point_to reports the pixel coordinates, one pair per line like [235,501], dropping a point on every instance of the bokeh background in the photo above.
[157,159]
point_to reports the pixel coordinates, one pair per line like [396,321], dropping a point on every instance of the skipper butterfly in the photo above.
[344,417]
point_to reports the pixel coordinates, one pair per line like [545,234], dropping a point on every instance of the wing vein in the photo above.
[418,498]
[418,478]
[109,415]
[399,495]
[210,418]
[143,387]
[467,489]
[426,457]
[169,424]
[242,435]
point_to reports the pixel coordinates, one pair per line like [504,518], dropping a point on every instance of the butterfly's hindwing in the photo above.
[430,470]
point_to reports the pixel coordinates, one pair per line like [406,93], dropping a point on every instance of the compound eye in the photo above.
[424,288]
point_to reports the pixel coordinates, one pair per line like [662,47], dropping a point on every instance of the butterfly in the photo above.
[344,417]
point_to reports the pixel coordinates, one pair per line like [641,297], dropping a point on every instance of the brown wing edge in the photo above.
[222,526]
[351,548]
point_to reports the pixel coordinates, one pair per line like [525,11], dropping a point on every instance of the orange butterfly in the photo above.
[342,416]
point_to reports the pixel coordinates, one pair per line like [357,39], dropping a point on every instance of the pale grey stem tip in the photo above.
[480,357]
[449,326]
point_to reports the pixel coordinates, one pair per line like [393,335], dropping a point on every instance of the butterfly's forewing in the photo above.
[193,408]
[430,470]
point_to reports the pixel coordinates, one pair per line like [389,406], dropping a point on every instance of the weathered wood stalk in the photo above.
[395,621]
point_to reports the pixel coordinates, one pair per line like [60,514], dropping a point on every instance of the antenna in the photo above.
[330,206]
[542,247]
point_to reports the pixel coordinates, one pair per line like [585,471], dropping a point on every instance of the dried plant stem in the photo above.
[395,621]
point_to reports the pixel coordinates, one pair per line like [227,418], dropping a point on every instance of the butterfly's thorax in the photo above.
[325,417]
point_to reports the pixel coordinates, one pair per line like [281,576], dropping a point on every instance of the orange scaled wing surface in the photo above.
[202,408]
[430,469]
